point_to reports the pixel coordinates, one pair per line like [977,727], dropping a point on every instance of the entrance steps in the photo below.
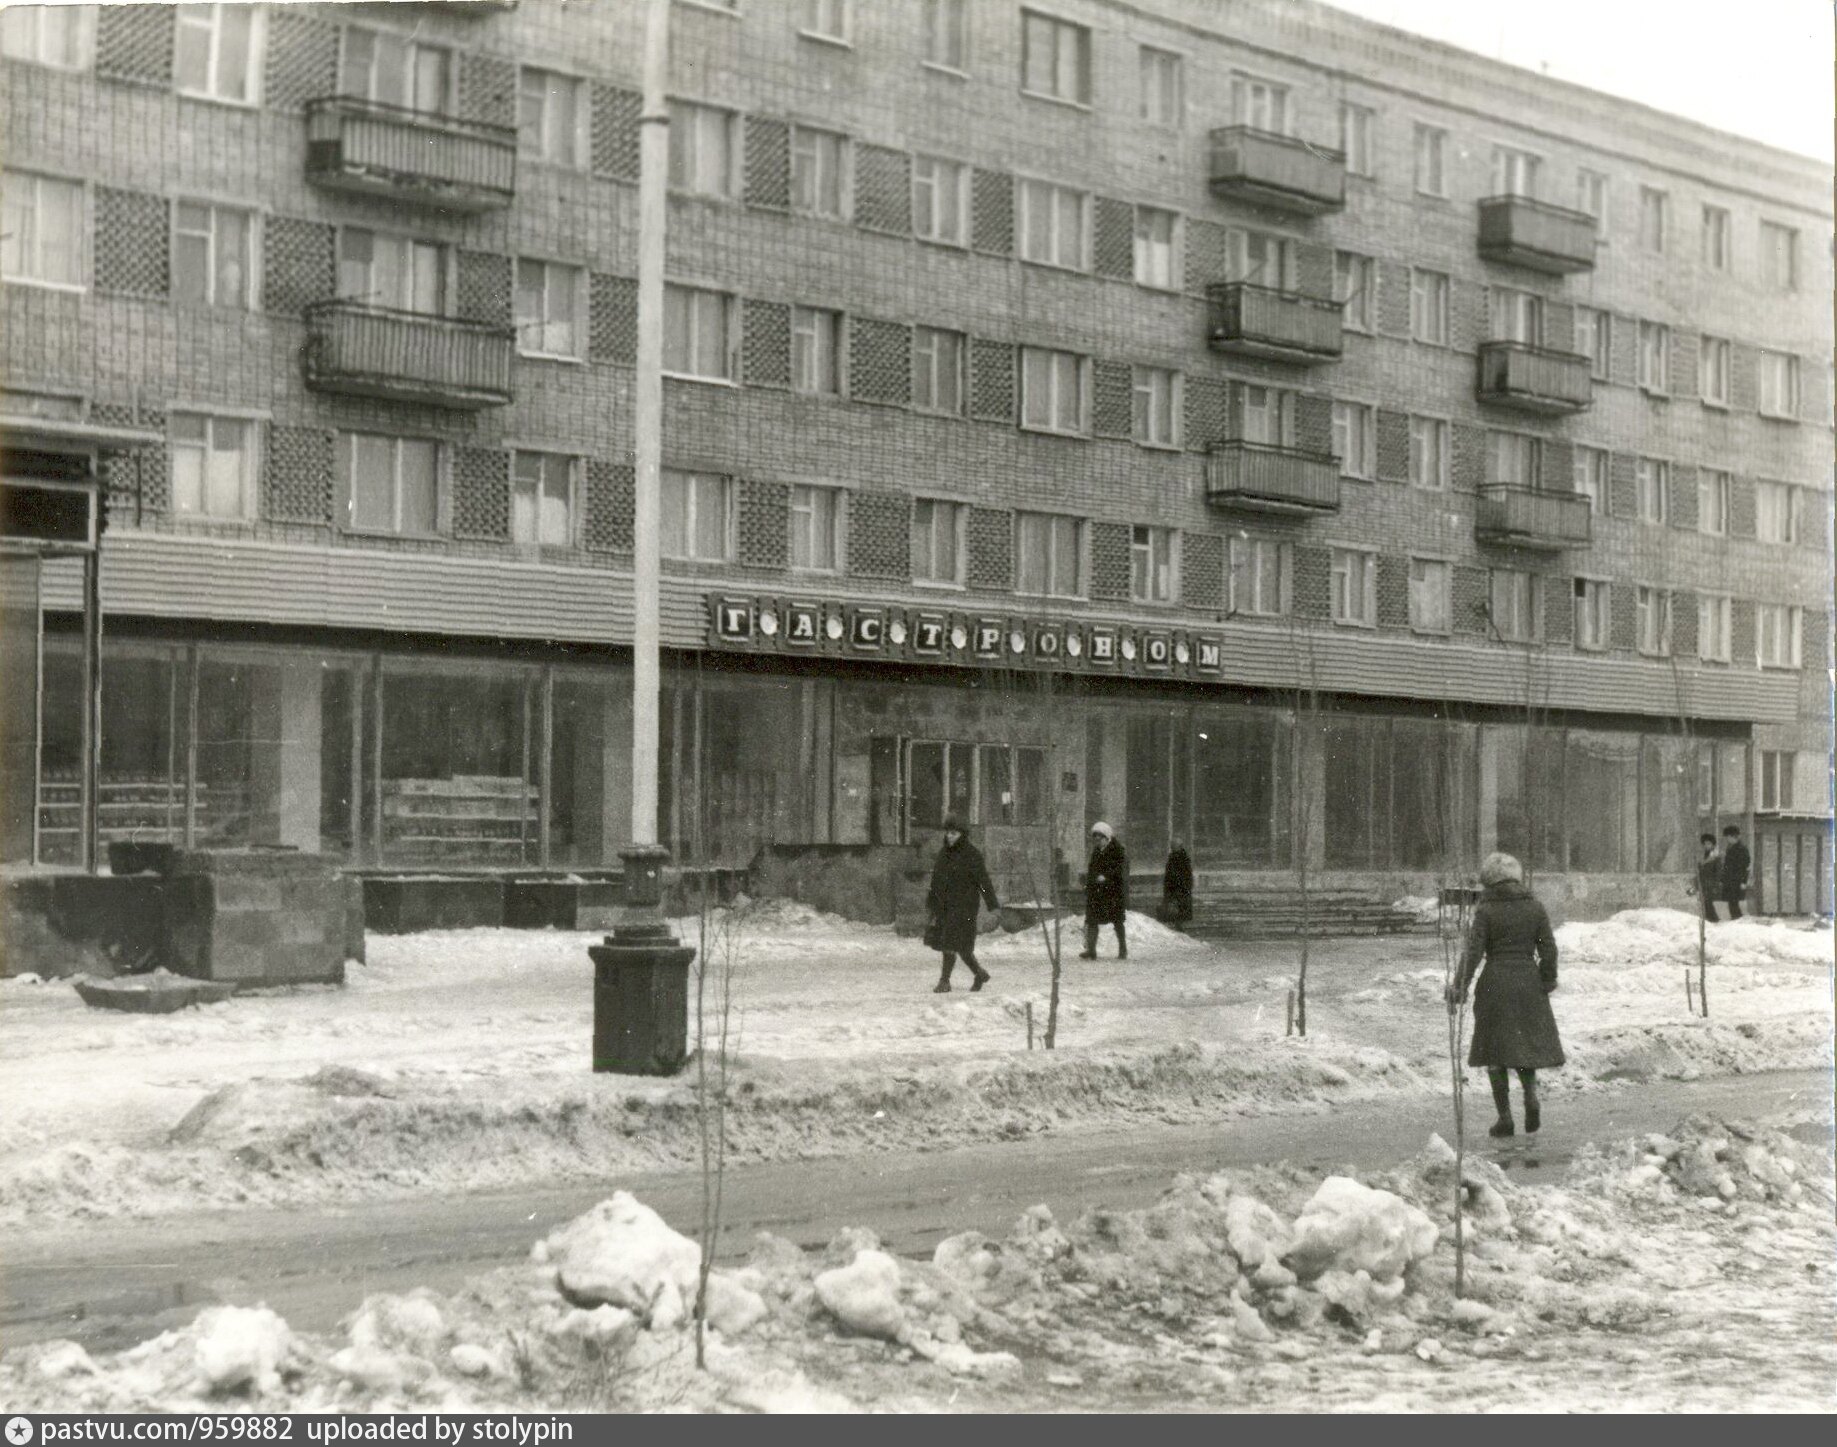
[1266,912]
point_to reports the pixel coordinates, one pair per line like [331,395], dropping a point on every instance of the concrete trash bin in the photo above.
[641,1003]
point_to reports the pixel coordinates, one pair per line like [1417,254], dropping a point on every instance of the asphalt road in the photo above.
[110,1284]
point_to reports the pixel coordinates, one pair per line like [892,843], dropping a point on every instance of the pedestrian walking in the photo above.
[959,885]
[1177,887]
[1106,891]
[1709,877]
[1513,1025]
[1735,865]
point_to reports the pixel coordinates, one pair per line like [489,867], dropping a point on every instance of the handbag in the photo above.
[934,933]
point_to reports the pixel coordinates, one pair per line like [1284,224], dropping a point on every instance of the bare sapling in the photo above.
[1307,736]
[1042,689]
[720,941]
[1698,807]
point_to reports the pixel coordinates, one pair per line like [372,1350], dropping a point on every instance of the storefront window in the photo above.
[1357,782]
[1601,780]
[732,778]
[589,769]
[1434,796]
[1241,790]
[1666,779]
[1528,789]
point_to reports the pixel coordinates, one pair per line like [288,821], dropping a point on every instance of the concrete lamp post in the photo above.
[641,979]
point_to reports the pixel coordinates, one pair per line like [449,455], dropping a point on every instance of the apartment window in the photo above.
[1261,258]
[1779,384]
[382,66]
[1429,306]
[1652,479]
[392,271]
[57,35]
[1514,172]
[1777,512]
[215,466]
[817,162]
[697,333]
[1266,416]
[1779,256]
[816,351]
[1775,779]
[1777,630]
[826,19]
[1259,104]
[1593,620]
[1163,97]
[1157,406]
[1591,477]
[1515,612]
[1152,564]
[1054,220]
[551,307]
[1654,357]
[552,117]
[696,516]
[1715,627]
[1430,606]
[1354,579]
[937,370]
[1429,453]
[212,255]
[394,484]
[1591,198]
[1052,390]
[41,229]
[216,52]
[941,200]
[1652,620]
[816,528]
[937,541]
[1516,458]
[1713,371]
[1355,439]
[1654,215]
[542,498]
[1155,256]
[1716,238]
[704,150]
[1055,58]
[1517,316]
[947,40]
[1358,138]
[1594,339]
[1259,576]
[1049,554]
[1713,490]
[1355,281]
[1431,167]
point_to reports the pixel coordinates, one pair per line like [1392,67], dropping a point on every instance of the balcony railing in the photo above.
[1526,518]
[1261,321]
[373,351]
[1268,478]
[1274,170]
[1534,234]
[1533,379]
[384,150]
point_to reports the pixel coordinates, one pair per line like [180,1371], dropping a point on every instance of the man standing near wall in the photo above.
[1735,863]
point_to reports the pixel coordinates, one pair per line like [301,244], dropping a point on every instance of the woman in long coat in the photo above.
[1106,891]
[959,884]
[1513,1026]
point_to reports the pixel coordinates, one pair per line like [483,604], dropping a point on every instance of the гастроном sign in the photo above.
[971,639]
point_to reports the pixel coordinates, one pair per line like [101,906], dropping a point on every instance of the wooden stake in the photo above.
[1690,999]
[1030,1024]
[1289,1028]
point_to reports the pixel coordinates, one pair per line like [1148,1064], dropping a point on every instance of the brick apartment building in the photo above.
[1247,424]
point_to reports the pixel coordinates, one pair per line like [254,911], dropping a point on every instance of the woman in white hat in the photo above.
[1106,891]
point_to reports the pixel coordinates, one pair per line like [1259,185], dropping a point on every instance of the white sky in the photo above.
[1759,68]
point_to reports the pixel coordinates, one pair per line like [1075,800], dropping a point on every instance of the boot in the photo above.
[941,988]
[1502,1102]
[982,978]
[1533,1108]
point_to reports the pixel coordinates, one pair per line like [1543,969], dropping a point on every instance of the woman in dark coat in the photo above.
[1513,1027]
[1177,886]
[959,884]
[1106,891]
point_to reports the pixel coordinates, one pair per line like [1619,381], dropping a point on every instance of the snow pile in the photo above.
[1669,937]
[1350,1227]
[864,1295]
[1421,908]
[1719,1165]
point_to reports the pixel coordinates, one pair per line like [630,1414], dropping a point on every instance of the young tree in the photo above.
[1694,811]
[1307,737]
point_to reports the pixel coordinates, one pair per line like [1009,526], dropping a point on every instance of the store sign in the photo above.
[970,640]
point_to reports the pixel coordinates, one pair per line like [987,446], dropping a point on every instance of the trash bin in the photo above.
[641,980]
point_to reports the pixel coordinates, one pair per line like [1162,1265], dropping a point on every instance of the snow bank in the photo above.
[1348,1227]
[1669,937]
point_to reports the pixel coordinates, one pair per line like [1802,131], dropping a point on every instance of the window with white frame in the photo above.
[394,484]
[216,52]
[941,200]
[818,161]
[542,498]
[1591,198]
[54,35]
[380,65]
[1714,488]
[213,255]
[1514,599]
[1516,458]
[1778,514]
[704,150]
[698,333]
[1715,627]
[1591,476]
[1514,171]
[937,370]
[1779,256]
[215,466]
[552,117]
[1654,218]
[816,351]
[1429,306]
[1355,439]
[41,229]
[826,19]
[1054,222]
[1652,620]
[1049,554]
[1594,339]
[1153,564]
[1716,234]
[1779,384]
[1429,453]
[1157,406]
[1053,390]
[1654,357]
[1353,579]
[816,528]
[1777,630]
[947,37]
[1261,258]
[1652,485]
[1431,580]
[1156,257]
[1259,576]
[1713,371]
[1775,779]
[1261,105]
[695,518]
[392,271]
[1593,620]
[1358,138]
[1055,58]
[1266,415]
[1431,161]
[551,309]
[1163,98]
[1355,284]
[937,541]
[1516,316]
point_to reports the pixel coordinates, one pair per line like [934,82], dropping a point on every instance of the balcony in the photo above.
[1262,477]
[1518,231]
[1283,326]
[1265,169]
[1533,379]
[374,149]
[372,351]
[1523,517]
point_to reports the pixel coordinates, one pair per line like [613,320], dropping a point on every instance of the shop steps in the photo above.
[1277,914]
